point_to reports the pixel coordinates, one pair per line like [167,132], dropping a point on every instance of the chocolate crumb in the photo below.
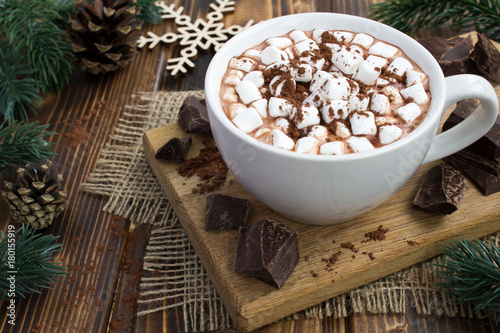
[412,243]
[375,235]
[350,246]
[371,256]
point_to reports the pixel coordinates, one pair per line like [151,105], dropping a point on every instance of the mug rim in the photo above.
[227,51]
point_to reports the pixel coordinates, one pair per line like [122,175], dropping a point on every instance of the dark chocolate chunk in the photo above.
[488,145]
[175,150]
[193,116]
[225,212]
[441,190]
[487,58]
[488,165]
[435,45]
[457,58]
[486,182]
[267,250]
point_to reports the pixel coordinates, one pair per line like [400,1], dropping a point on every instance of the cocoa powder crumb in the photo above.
[412,243]
[350,246]
[208,165]
[375,235]
[370,254]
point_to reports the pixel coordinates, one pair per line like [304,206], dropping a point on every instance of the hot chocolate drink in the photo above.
[325,92]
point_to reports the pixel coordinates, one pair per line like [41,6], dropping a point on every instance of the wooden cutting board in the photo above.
[412,236]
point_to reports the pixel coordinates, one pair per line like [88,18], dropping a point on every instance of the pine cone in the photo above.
[35,199]
[104,36]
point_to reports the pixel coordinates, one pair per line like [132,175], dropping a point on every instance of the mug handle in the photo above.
[460,87]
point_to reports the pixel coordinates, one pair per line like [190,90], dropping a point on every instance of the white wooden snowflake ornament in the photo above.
[200,34]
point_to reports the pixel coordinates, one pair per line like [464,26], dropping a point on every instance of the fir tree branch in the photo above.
[23,143]
[32,32]
[18,89]
[411,15]
[472,275]
[32,254]
[149,12]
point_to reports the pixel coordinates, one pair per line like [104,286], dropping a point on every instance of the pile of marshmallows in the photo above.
[334,97]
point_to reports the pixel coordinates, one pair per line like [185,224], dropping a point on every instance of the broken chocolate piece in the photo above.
[486,182]
[488,165]
[457,58]
[267,250]
[488,145]
[441,190]
[487,58]
[175,150]
[435,45]
[193,116]
[225,212]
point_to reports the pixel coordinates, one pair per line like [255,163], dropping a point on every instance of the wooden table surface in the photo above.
[91,297]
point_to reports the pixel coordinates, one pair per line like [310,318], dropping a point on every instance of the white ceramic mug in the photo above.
[317,189]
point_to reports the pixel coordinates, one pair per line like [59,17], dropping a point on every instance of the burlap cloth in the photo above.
[173,274]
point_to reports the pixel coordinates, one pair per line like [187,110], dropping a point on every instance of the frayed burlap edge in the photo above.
[173,274]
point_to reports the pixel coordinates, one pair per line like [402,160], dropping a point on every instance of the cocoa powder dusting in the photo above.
[375,235]
[208,165]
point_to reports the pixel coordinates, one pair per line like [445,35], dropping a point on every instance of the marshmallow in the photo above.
[342,130]
[314,99]
[279,82]
[318,80]
[302,73]
[387,120]
[367,73]
[359,144]
[230,95]
[413,77]
[261,106]
[281,123]
[383,50]
[394,96]
[279,42]
[342,36]
[332,148]
[280,107]
[317,33]
[281,140]
[334,109]
[248,120]
[399,66]
[389,133]
[358,103]
[336,88]
[311,59]
[232,80]
[409,112]
[307,145]
[298,36]
[235,109]
[333,47]
[381,82]
[348,60]
[415,93]
[263,134]
[376,61]
[319,132]
[307,116]
[363,123]
[289,53]
[253,54]
[380,104]
[282,65]
[306,45]
[248,91]
[256,77]
[363,40]
[243,64]
[272,54]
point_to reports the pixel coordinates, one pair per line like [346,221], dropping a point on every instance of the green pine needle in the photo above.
[23,143]
[33,267]
[18,89]
[39,42]
[149,12]
[411,15]
[472,274]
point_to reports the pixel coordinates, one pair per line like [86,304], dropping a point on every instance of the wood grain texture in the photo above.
[82,301]
[252,303]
